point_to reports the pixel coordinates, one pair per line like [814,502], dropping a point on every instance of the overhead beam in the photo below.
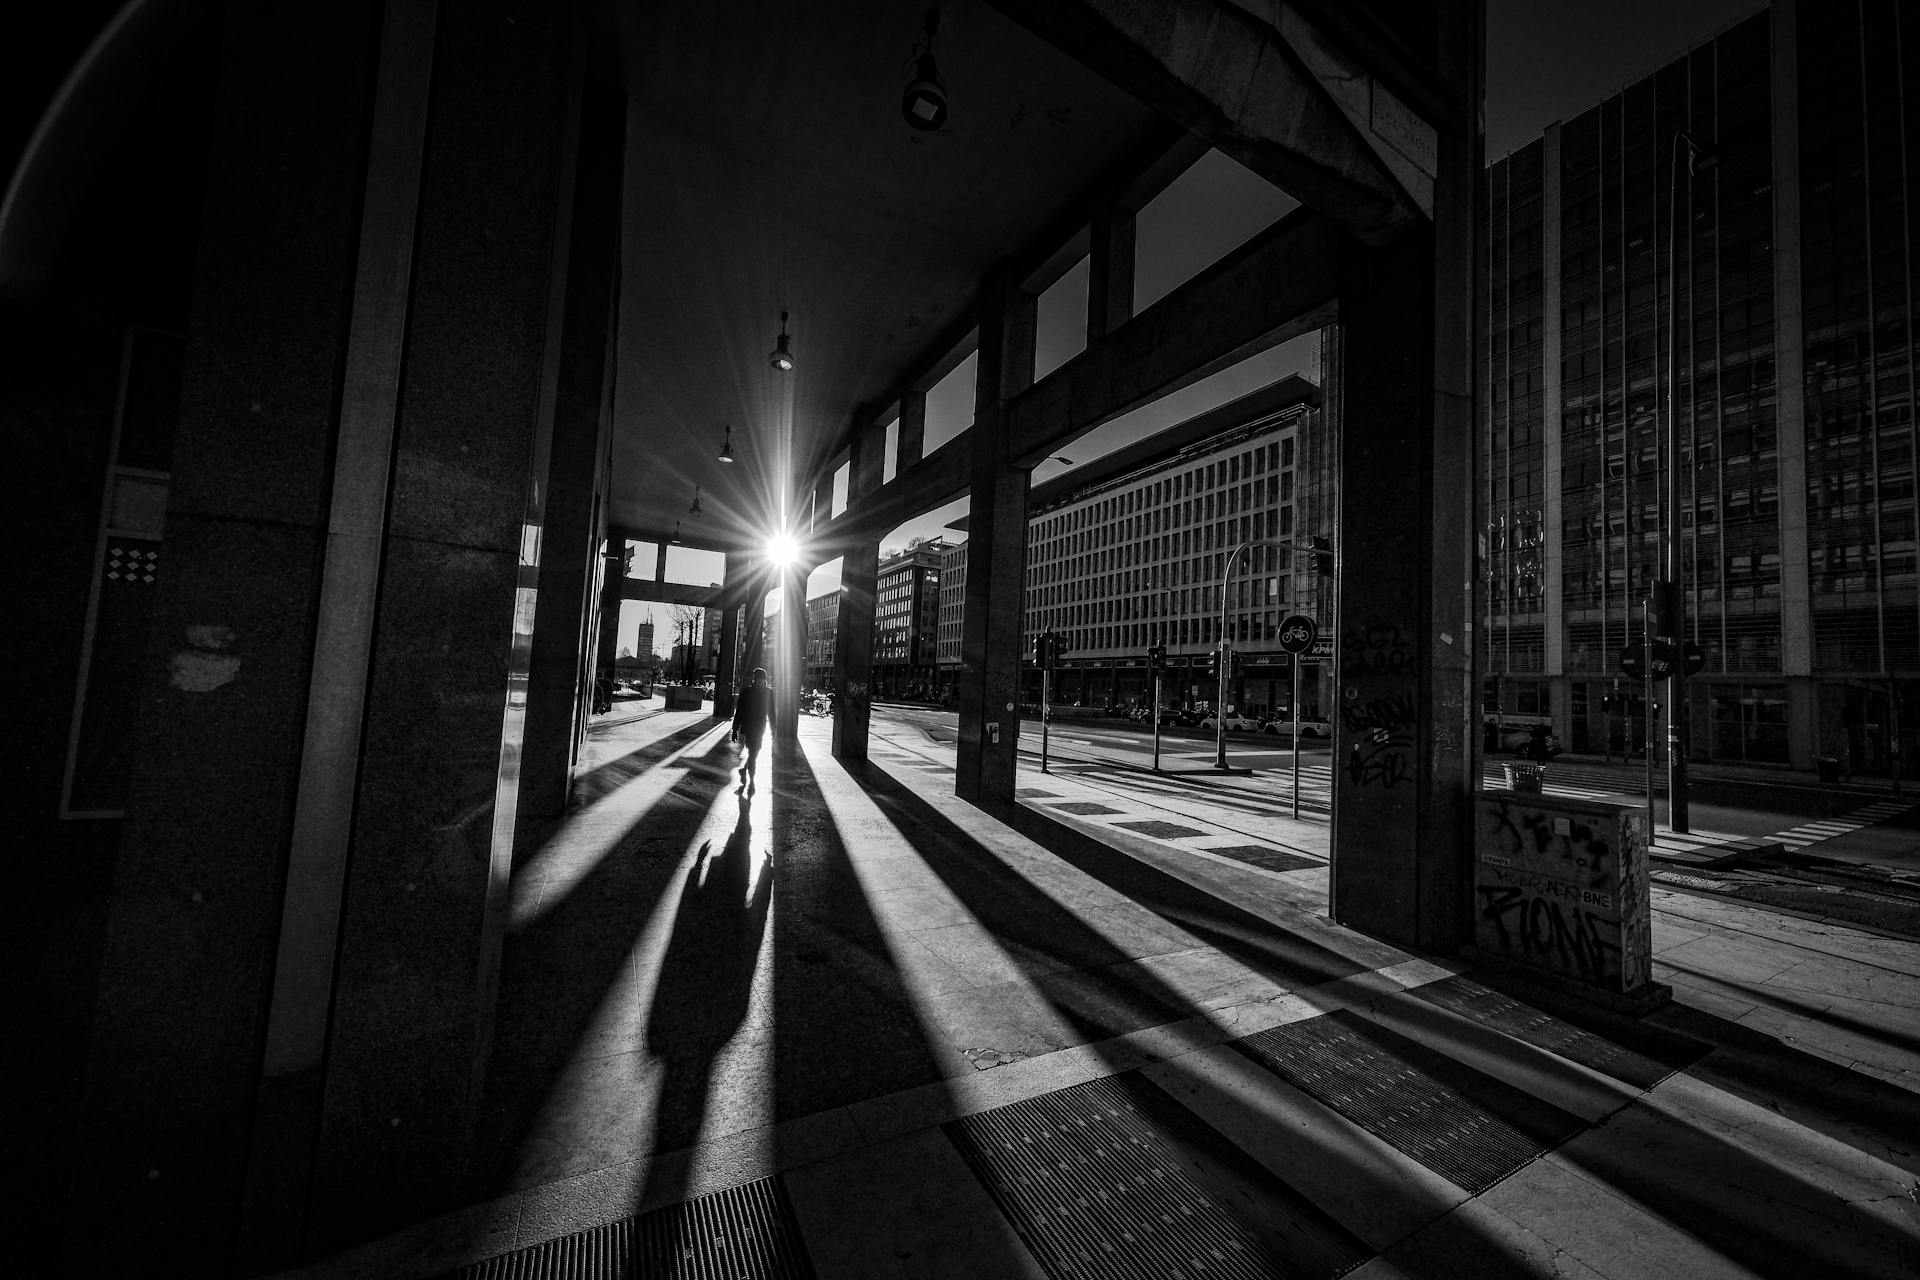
[674,593]
[1279,284]
[1271,91]
[1276,287]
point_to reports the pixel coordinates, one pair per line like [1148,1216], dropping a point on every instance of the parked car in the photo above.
[1235,722]
[1308,727]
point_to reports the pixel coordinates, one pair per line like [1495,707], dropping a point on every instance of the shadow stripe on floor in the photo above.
[1467,1127]
[1113,1179]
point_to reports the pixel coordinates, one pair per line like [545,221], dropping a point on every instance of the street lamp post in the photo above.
[1226,654]
[1679,719]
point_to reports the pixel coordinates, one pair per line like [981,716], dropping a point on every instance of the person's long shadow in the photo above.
[705,989]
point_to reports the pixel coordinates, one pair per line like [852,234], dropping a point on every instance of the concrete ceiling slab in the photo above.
[769,169]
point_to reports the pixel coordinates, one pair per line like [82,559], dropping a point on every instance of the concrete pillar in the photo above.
[996,552]
[789,667]
[613,577]
[913,430]
[853,651]
[288,292]
[575,637]
[726,670]
[1402,866]
[299,978]
[1110,272]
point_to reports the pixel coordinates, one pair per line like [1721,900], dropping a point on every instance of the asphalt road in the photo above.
[1732,806]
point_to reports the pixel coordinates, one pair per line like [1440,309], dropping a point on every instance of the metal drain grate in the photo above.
[744,1233]
[1115,1179]
[1467,1127]
[1525,1023]
[1259,855]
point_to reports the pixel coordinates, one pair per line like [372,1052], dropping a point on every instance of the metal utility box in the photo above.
[1561,896]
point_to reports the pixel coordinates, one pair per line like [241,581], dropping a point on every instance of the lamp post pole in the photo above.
[1226,581]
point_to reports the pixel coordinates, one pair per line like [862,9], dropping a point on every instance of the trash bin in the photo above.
[1526,777]
[1829,767]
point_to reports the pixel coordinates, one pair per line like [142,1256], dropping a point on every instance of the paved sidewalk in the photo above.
[1111,1032]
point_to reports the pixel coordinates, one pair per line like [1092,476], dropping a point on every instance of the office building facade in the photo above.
[1133,552]
[905,616]
[1724,248]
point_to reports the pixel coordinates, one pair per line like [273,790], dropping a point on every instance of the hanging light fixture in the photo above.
[675,539]
[781,357]
[924,102]
[694,510]
[726,446]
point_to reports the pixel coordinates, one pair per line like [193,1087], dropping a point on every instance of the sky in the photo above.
[1547,60]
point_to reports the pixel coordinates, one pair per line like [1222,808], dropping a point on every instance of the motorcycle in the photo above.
[1541,747]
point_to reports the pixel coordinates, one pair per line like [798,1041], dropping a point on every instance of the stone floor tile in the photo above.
[1200,979]
[1832,976]
[984,959]
[1730,957]
[1011,1017]
[1477,1242]
[1721,999]
[1585,1218]
[1754,1186]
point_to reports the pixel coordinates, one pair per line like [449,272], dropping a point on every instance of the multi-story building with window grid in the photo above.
[1132,552]
[949,629]
[1773,273]
[906,603]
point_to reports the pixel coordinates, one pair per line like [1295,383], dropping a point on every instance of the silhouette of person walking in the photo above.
[750,719]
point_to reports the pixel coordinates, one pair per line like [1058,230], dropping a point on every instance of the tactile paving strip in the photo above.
[1467,1127]
[1464,996]
[743,1233]
[1258,855]
[1160,830]
[1114,1179]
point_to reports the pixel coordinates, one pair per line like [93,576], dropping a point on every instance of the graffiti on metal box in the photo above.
[1555,888]
[1542,921]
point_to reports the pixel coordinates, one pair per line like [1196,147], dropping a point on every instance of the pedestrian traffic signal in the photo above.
[1322,555]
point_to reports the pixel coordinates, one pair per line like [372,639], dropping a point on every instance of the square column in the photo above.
[853,651]
[568,651]
[1405,697]
[996,553]
[726,670]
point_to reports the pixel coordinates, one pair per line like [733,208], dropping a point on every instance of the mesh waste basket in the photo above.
[1526,777]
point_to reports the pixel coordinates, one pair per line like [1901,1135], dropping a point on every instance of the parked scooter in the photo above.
[1540,746]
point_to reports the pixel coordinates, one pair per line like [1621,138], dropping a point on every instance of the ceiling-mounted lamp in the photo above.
[675,539]
[694,510]
[781,357]
[726,446]
[924,103]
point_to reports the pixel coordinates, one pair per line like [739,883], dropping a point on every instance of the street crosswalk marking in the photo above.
[1808,833]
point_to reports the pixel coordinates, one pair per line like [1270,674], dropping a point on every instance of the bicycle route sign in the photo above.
[1297,633]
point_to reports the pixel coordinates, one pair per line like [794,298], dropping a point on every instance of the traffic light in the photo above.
[1660,608]
[1322,555]
[1157,658]
[1040,650]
